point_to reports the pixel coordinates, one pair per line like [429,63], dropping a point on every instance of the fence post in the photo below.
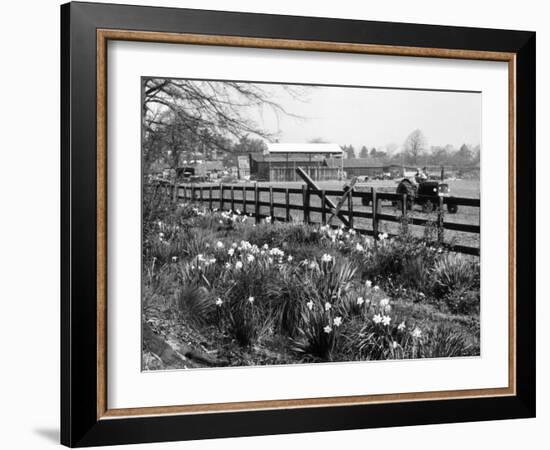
[305,202]
[256,203]
[221,197]
[271,209]
[193,195]
[175,192]
[404,219]
[350,208]
[185,192]
[201,195]
[440,221]
[244,200]
[287,205]
[323,207]
[374,213]
[210,189]
[232,198]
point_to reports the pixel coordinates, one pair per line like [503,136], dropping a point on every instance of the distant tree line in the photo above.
[416,152]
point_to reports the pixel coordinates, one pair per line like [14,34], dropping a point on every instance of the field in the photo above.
[222,290]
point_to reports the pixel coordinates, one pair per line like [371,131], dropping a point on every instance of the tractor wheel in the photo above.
[452,208]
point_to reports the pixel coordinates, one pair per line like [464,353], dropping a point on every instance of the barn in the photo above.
[371,167]
[356,167]
[279,162]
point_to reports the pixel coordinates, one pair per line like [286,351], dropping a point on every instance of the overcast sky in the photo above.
[373,117]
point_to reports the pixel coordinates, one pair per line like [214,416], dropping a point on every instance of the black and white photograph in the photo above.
[289,224]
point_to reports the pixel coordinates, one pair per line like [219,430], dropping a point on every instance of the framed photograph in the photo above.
[276,224]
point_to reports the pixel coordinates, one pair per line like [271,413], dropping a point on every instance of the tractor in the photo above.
[426,194]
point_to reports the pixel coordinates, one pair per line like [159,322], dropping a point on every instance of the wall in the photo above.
[29,286]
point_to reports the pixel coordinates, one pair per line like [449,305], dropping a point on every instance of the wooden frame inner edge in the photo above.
[103,36]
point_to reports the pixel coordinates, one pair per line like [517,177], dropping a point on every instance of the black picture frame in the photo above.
[80,425]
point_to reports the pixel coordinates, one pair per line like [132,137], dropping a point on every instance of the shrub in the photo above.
[287,296]
[453,272]
[156,205]
[194,304]
[325,285]
[163,250]
[374,342]
[315,340]
[245,321]
[405,260]
[443,341]
[245,312]
[279,234]
[332,279]
[463,301]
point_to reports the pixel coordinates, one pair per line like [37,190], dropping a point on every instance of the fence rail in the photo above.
[249,200]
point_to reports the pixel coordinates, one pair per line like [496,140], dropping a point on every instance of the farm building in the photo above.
[279,162]
[356,167]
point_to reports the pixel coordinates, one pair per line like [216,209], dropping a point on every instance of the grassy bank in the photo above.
[221,290]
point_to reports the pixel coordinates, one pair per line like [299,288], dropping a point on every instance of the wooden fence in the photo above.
[248,199]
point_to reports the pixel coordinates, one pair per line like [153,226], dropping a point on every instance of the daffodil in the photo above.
[310,305]
[417,333]
[327,306]
[360,300]
[327,329]
[326,258]
[377,318]
[386,320]
[238,265]
[337,321]
[219,302]
[401,326]
[251,299]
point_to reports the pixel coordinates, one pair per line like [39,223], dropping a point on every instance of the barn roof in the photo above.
[303,148]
